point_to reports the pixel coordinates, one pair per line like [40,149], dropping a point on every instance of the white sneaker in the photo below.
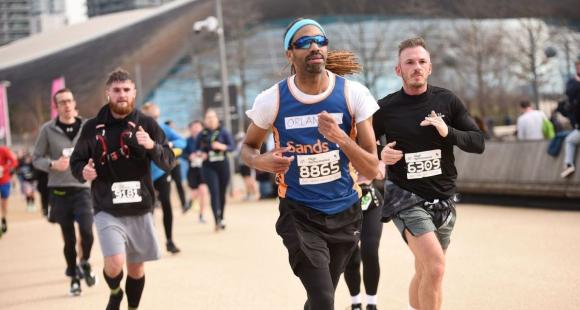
[568,171]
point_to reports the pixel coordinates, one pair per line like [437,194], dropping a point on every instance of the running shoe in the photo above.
[356,307]
[568,171]
[172,248]
[75,287]
[115,300]
[86,272]
[4,227]
[371,307]
[187,206]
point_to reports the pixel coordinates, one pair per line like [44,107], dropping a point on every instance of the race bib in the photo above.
[319,168]
[196,162]
[126,192]
[67,152]
[216,156]
[423,164]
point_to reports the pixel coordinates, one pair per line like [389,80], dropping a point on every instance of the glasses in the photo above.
[306,41]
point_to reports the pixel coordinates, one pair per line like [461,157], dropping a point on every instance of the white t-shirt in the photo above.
[529,125]
[263,112]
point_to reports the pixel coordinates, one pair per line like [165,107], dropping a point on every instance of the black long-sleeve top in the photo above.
[119,178]
[398,119]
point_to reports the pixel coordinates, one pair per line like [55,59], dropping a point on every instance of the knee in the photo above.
[434,270]
[114,265]
[136,271]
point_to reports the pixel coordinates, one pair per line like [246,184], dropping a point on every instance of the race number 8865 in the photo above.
[315,171]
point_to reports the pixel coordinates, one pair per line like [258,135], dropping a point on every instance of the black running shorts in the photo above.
[308,234]
[194,177]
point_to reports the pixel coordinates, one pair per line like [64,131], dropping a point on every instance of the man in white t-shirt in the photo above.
[529,126]
[317,118]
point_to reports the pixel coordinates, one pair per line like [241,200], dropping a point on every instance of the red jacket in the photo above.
[8,161]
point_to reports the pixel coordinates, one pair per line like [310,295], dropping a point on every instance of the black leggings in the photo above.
[368,252]
[163,188]
[176,176]
[70,242]
[217,177]
[320,283]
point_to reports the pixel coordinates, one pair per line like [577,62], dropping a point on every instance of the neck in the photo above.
[66,120]
[312,84]
[414,91]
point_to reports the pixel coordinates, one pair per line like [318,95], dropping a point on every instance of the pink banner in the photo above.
[3,103]
[57,84]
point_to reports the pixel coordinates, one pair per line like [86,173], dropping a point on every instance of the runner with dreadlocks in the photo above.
[317,118]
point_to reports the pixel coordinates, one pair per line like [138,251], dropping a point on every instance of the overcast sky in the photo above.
[76,11]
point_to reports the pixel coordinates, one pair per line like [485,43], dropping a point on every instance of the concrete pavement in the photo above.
[499,258]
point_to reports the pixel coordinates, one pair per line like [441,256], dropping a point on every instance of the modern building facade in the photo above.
[101,7]
[21,18]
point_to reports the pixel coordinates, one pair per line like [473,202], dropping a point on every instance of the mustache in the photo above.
[314,54]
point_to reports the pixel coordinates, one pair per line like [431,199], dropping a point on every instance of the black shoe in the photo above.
[371,307]
[115,301]
[75,287]
[172,248]
[356,307]
[87,274]
[4,226]
[186,207]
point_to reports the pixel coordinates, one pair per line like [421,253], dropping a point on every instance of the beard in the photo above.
[315,68]
[122,109]
[411,82]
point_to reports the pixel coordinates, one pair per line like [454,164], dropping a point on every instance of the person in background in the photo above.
[162,180]
[70,199]
[573,138]
[8,161]
[195,181]
[529,124]
[27,177]
[214,143]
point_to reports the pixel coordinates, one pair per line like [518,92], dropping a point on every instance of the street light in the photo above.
[7,134]
[213,24]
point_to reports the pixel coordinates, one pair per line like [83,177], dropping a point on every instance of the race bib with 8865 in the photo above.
[319,168]
[423,164]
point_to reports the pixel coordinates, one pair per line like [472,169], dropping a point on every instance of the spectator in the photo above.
[529,124]
[573,139]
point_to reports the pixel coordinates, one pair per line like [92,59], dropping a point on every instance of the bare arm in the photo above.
[364,157]
[272,161]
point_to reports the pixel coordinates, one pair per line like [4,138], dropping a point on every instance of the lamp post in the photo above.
[213,24]
[7,134]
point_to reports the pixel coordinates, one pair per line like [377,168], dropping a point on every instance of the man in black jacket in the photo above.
[114,152]
[422,123]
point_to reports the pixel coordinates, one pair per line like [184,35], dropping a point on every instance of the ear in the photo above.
[398,69]
[289,55]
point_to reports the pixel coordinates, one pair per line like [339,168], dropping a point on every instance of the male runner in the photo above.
[422,123]
[317,118]
[114,152]
[70,200]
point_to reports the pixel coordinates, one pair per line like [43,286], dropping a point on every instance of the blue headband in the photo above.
[299,24]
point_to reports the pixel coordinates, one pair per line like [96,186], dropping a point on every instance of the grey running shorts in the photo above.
[133,236]
[420,220]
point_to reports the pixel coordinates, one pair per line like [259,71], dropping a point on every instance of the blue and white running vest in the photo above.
[320,176]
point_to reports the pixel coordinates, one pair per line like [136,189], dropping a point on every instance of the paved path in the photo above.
[500,258]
